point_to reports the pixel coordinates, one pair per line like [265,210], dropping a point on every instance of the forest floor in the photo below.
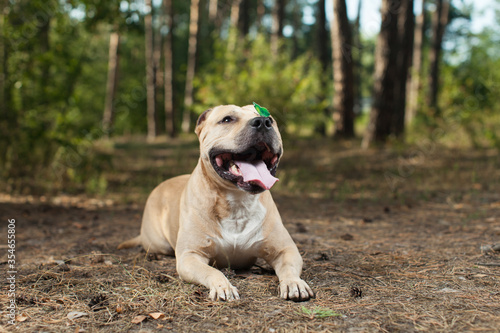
[393,239]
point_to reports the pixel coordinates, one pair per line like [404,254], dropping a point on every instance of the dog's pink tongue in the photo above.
[257,172]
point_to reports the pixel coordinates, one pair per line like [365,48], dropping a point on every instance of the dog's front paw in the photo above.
[223,291]
[296,290]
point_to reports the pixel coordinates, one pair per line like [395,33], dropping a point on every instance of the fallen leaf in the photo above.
[76,314]
[157,315]
[138,319]
[78,225]
[21,318]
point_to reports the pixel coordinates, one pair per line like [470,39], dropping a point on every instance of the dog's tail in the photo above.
[130,243]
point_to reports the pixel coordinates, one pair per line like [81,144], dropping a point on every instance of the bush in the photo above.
[289,88]
[470,93]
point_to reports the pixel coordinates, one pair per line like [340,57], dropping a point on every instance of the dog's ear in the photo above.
[200,121]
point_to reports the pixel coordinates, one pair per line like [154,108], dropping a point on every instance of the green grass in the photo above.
[319,312]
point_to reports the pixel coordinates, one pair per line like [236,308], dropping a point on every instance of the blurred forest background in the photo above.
[78,75]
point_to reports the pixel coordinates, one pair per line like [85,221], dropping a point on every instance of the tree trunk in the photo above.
[3,62]
[358,103]
[44,38]
[168,76]
[8,116]
[191,63]
[278,15]
[322,36]
[212,10]
[439,23]
[244,17]
[261,10]
[150,72]
[8,127]
[379,126]
[414,80]
[406,27]
[112,82]
[322,40]
[157,48]
[233,28]
[343,98]
[295,18]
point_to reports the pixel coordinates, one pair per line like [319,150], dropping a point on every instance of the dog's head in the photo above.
[240,146]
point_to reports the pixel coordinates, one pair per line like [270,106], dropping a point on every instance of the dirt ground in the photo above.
[393,240]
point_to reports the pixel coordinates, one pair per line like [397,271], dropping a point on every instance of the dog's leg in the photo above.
[194,268]
[287,263]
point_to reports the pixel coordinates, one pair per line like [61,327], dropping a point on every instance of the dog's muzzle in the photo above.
[253,169]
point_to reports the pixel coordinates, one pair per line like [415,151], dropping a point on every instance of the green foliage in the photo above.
[319,313]
[289,88]
[470,91]
[56,58]
[44,138]
[54,54]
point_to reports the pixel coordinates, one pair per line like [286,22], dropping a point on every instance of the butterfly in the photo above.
[262,111]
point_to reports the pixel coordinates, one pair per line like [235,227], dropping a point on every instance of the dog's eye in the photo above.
[227,119]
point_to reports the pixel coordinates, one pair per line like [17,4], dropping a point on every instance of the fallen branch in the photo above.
[490,248]
[491,264]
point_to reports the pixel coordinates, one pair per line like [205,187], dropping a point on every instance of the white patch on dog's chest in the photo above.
[241,232]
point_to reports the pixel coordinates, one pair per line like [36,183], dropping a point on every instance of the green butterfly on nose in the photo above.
[261,111]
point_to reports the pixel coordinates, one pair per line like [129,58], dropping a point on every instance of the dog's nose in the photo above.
[261,123]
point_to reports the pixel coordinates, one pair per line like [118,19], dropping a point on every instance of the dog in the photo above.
[222,215]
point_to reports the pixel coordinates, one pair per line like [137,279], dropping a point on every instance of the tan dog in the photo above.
[221,215]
